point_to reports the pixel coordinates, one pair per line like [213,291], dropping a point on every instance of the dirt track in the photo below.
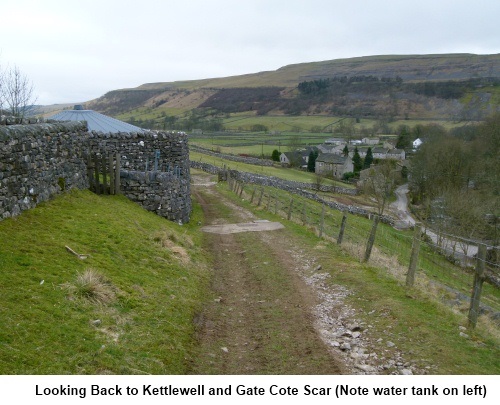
[259,319]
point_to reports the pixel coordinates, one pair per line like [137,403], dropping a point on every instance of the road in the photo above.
[451,246]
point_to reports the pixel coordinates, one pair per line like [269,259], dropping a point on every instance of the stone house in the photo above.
[298,158]
[295,159]
[334,165]
[396,154]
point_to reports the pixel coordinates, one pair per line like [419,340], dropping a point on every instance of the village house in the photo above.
[417,142]
[298,158]
[370,141]
[330,164]
[330,148]
[396,154]
[295,159]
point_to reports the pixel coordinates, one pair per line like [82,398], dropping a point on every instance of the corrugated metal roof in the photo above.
[96,121]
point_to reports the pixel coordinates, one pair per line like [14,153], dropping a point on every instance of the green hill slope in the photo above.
[154,101]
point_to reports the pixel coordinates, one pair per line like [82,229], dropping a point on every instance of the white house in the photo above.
[417,142]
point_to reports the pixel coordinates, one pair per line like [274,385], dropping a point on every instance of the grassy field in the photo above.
[255,144]
[125,309]
[276,171]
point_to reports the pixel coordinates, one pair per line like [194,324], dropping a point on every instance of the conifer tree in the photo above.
[357,162]
[368,159]
[311,162]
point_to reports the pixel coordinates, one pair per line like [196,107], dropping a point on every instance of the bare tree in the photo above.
[319,179]
[381,183]
[16,92]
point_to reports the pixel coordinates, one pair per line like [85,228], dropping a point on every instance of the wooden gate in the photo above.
[104,173]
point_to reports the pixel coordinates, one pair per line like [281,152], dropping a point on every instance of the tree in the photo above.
[368,159]
[456,181]
[404,137]
[345,151]
[345,128]
[295,143]
[381,183]
[319,179]
[16,92]
[357,161]
[275,156]
[311,162]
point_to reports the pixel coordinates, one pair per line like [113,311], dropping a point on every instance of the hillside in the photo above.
[277,92]
[149,296]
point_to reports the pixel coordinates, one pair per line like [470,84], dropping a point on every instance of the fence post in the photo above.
[96,174]
[322,222]
[90,172]
[478,286]
[415,249]
[117,174]
[268,202]
[260,198]
[290,210]
[111,175]
[371,239]
[342,228]
[253,194]
[104,175]
[241,189]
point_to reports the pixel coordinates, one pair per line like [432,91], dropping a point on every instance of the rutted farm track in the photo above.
[273,310]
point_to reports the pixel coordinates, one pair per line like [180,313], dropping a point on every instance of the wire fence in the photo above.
[458,283]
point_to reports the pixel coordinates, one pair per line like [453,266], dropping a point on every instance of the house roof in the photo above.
[298,157]
[331,158]
[96,121]
[395,152]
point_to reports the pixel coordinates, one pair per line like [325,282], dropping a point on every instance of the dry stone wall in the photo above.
[39,161]
[302,189]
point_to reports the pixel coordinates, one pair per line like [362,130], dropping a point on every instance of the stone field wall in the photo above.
[38,161]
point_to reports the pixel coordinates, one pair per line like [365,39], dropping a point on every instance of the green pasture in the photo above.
[275,171]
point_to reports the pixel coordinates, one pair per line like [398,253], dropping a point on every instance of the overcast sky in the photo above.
[75,51]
